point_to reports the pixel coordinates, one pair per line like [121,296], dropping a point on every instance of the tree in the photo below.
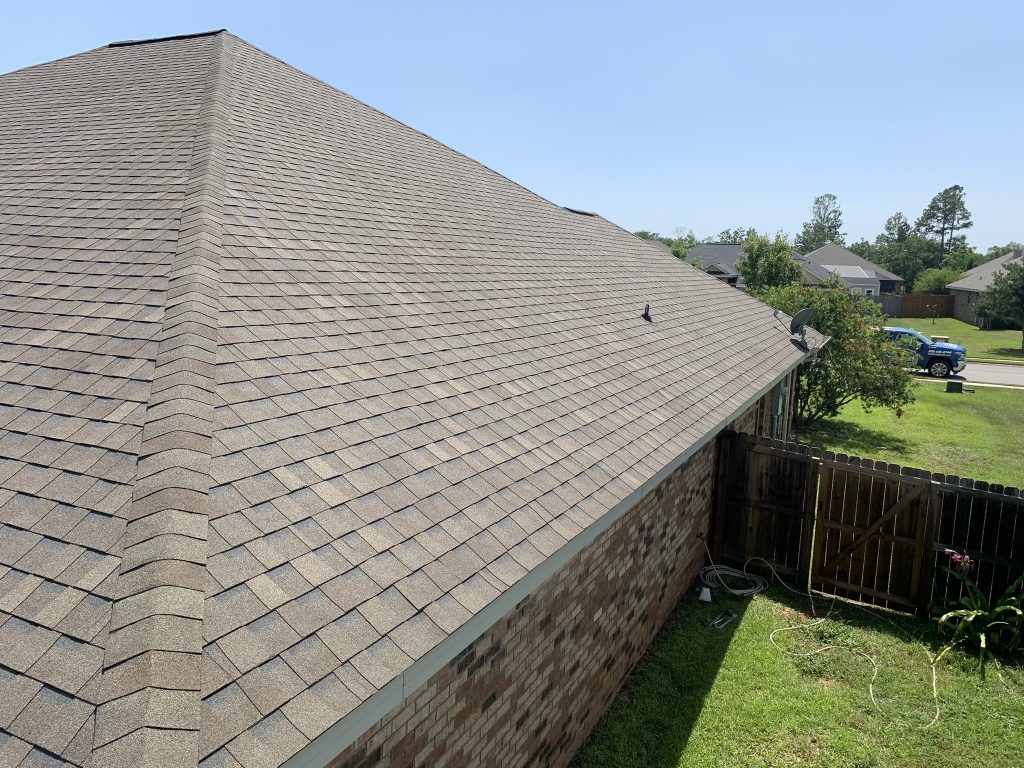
[907,258]
[1001,250]
[683,241]
[962,257]
[944,216]
[936,280]
[738,235]
[865,250]
[1004,299]
[767,263]
[859,363]
[824,226]
[897,229]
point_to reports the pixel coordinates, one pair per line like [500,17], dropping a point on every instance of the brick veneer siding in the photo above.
[757,420]
[963,305]
[530,689]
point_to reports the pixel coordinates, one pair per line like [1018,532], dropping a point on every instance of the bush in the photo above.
[936,280]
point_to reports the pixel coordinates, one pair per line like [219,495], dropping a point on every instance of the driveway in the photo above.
[990,373]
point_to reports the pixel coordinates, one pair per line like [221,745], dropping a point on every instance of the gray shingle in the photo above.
[218,395]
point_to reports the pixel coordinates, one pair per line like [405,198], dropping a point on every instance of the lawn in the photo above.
[994,346]
[704,698]
[975,435]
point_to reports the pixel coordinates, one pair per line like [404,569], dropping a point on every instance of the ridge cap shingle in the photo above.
[144,41]
[151,700]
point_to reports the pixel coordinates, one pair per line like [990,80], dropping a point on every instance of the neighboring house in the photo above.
[322,443]
[967,290]
[858,274]
[719,260]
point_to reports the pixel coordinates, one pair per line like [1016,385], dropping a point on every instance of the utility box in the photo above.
[956,387]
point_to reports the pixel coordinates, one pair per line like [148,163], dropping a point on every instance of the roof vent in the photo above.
[581,213]
[647,314]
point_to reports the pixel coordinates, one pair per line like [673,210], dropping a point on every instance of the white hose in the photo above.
[715,576]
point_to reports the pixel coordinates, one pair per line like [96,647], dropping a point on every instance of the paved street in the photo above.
[988,373]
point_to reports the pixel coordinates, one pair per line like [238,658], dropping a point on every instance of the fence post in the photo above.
[810,518]
[926,546]
[721,474]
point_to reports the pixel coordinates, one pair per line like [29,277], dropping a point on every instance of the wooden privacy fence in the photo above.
[866,530]
[915,304]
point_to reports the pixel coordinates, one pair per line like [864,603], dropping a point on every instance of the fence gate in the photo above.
[872,532]
[866,530]
[771,493]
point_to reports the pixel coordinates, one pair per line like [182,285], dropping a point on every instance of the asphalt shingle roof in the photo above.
[289,392]
[721,255]
[831,255]
[980,278]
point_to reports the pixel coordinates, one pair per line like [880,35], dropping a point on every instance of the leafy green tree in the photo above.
[936,280]
[682,242]
[897,229]
[859,363]
[738,235]
[907,258]
[962,258]
[1004,299]
[865,250]
[824,226]
[767,263]
[944,216]
[1001,250]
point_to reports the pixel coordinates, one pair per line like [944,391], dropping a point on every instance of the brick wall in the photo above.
[963,305]
[529,691]
[757,420]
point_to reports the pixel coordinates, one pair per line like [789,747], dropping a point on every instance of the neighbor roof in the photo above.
[721,255]
[294,401]
[980,278]
[833,256]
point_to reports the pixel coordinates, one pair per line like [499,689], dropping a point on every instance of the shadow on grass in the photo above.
[650,722]
[846,437]
[900,626]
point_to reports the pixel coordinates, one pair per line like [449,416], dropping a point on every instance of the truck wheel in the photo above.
[938,368]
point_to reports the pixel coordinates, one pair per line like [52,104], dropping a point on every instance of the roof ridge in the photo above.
[153,652]
[396,121]
[143,41]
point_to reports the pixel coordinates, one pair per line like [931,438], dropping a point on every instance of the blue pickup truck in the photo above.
[937,357]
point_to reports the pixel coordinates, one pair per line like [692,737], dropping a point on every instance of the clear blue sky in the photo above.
[704,115]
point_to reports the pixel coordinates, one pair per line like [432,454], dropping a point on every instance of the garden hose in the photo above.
[716,576]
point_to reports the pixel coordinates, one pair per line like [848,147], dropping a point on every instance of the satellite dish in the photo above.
[801,319]
[799,325]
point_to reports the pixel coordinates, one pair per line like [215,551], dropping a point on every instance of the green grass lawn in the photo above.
[707,698]
[997,346]
[977,435]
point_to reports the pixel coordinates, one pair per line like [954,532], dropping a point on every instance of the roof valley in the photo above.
[150,713]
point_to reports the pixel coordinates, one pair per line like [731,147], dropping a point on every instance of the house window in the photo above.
[869,291]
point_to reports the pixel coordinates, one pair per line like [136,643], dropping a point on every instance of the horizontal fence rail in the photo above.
[864,529]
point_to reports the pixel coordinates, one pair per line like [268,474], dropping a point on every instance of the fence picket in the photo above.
[868,530]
